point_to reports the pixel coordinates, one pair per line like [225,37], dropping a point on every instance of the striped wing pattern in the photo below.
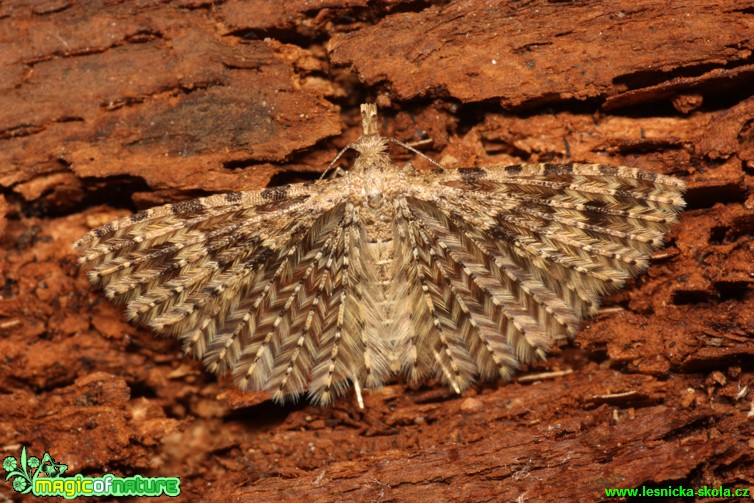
[504,261]
[283,289]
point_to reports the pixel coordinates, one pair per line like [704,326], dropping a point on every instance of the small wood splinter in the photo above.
[460,275]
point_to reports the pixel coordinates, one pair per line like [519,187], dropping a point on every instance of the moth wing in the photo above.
[493,265]
[586,228]
[254,283]
[451,318]
[319,333]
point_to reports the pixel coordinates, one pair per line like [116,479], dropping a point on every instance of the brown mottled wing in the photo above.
[502,261]
[444,320]
[256,283]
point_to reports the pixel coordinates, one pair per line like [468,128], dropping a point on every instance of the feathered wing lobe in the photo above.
[155,259]
[542,243]
[271,285]
[447,312]
[291,290]
[311,329]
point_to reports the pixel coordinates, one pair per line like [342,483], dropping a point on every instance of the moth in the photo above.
[461,275]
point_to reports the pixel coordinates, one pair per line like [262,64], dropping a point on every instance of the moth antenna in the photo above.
[340,154]
[412,149]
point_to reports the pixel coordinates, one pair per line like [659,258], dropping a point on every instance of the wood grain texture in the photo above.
[523,54]
[656,389]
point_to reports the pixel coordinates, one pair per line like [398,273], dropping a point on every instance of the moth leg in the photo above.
[337,173]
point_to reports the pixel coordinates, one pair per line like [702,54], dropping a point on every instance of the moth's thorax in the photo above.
[373,153]
[374,177]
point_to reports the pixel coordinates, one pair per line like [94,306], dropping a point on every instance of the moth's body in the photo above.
[460,274]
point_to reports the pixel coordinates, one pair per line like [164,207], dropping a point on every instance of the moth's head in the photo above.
[369,118]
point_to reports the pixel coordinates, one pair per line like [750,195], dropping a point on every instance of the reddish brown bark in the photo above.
[113,106]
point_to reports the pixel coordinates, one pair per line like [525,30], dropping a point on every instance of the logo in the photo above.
[44,477]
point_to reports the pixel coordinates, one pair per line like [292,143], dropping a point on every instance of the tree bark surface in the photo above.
[109,107]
